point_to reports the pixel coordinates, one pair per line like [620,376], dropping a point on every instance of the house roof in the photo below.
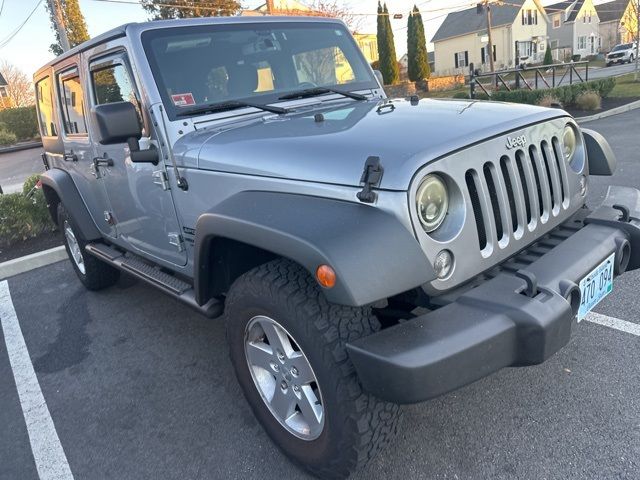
[469,20]
[572,7]
[612,11]
[3,82]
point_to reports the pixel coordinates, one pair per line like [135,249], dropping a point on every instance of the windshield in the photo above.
[202,65]
[626,46]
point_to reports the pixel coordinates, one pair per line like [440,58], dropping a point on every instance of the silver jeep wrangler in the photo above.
[365,252]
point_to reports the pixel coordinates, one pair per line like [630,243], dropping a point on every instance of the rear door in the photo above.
[77,152]
[141,204]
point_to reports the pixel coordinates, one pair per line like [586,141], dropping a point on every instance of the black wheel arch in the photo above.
[373,254]
[58,187]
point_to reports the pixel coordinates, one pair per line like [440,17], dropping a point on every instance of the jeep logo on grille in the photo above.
[515,142]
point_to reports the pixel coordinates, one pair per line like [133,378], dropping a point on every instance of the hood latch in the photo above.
[371,177]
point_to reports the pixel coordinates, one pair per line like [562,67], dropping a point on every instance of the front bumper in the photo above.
[511,320]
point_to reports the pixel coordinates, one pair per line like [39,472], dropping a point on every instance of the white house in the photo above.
[519,32]
[574,29]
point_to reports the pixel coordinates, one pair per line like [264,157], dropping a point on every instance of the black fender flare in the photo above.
[373,254]
[62,184]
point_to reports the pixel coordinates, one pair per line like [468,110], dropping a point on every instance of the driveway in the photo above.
[15,167]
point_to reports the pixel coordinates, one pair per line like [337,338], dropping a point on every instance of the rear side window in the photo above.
[72,100]
[45,108]
[112,84]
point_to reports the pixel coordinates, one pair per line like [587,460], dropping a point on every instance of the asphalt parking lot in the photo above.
[139,387]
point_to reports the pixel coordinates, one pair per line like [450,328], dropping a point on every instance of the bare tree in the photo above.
[19,88]
[327,8]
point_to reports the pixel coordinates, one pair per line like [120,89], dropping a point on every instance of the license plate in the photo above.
[595,286]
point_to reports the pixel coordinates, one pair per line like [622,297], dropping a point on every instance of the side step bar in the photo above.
[166,282]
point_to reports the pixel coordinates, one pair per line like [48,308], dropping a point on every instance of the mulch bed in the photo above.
[607,104]
[33,245]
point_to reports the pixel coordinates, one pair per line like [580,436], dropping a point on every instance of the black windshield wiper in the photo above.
[228,106]
[314,92]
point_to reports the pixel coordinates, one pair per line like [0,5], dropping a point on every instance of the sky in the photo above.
[29,49]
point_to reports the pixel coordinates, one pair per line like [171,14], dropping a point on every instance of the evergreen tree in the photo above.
[74,22]
[388,58]
[417,48]
[381,37]
[548,58]
[161,9]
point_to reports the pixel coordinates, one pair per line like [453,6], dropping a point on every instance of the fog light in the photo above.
[443,264]
[583,185]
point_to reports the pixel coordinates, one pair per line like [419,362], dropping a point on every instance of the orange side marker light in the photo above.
[326,276]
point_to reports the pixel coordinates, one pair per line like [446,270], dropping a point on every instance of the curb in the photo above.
[24,264]
[17,148]
[610,113]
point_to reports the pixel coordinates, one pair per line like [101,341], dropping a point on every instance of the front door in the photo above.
[142,208]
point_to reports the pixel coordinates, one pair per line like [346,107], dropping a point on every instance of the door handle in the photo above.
[70,157]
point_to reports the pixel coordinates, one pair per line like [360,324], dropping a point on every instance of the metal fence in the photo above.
[530,78]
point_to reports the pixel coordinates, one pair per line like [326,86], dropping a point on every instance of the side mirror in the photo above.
[116,122]
[119,123]
[379,77]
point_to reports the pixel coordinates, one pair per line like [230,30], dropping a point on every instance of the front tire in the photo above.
[287,345]
[93,273]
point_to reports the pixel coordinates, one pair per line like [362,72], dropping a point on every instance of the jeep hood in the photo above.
[299,146]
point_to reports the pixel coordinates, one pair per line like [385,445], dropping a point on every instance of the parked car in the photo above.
[623,53]
[363,252]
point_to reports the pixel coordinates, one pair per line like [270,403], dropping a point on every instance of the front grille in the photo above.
[517,192]
[616,55]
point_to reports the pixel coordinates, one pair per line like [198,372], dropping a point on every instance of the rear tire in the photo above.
[352,426]
[93,273]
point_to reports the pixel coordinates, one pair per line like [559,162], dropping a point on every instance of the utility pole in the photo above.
[270,7]
[61,27]
[637,7]
[487,6]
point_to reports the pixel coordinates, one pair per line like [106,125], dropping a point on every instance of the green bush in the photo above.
[460,95]
[21,121]
[30,183]
[23,217]
[6,138]
[567,95]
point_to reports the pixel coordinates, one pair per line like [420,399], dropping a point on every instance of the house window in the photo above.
[582,42]
[526,49]
[462,59]
[3,92]
[484,55]
[529,17]
[556,21]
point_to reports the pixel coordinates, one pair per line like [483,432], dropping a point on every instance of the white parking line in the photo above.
[51,462]
[622,325]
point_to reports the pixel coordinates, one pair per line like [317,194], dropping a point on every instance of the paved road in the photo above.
[15,167]
[140,387]
[612,71]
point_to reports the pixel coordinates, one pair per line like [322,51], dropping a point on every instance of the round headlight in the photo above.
[569,142]
[432,202]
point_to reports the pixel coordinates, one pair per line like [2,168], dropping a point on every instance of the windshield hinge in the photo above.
[371,177]
[177,241]
[160,178]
